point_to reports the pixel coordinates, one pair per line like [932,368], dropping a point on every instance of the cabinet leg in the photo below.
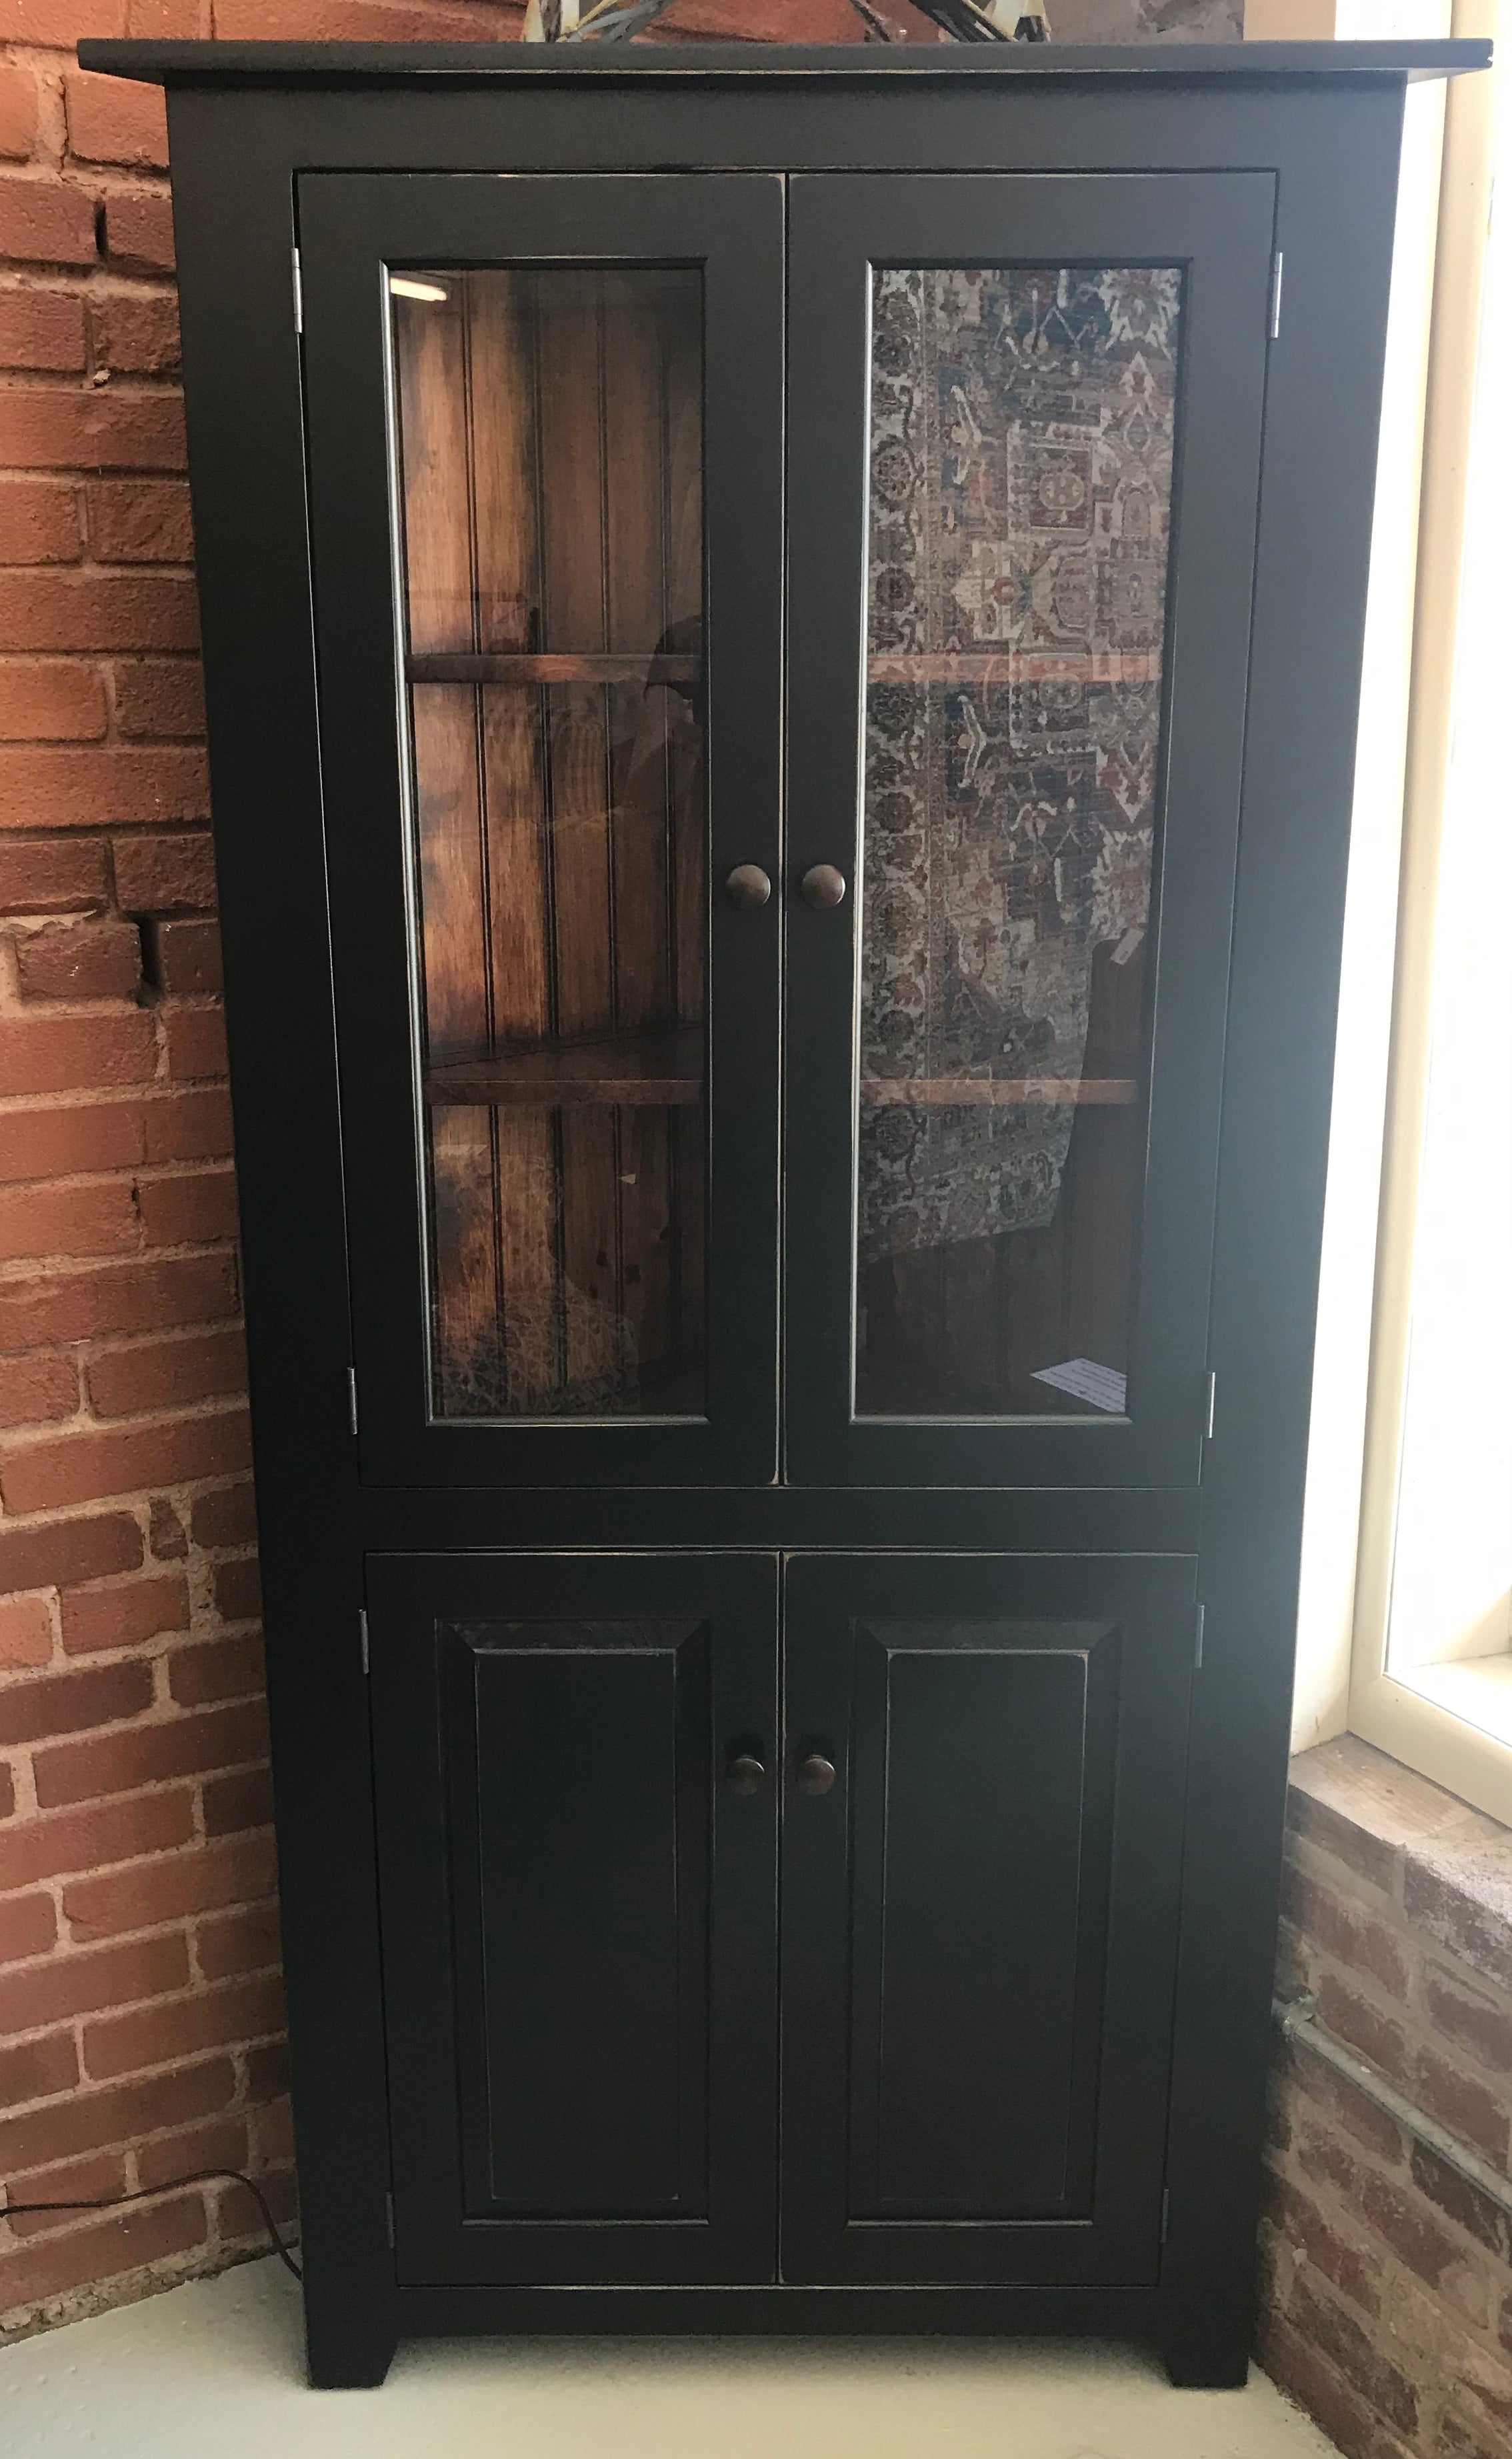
[346,2350]
[1204,2348]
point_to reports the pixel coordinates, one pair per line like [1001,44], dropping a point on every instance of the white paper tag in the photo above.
[1085,1380]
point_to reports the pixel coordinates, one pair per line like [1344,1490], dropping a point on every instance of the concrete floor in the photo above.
[212,2371]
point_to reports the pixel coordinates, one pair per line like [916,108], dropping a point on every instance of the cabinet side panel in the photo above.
[235,228]
[1322,408]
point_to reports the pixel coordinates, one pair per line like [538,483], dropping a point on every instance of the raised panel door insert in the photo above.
[982,1818]
[1023,433]
[579,1780]
[550,527]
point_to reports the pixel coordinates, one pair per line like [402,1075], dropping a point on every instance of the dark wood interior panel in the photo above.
[580,1772]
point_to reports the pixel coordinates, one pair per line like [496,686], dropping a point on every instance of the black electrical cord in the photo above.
[141,2193]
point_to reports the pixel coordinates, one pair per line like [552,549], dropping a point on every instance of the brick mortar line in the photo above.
[174,1166]
[198,1992]
[127,1344]
[1297,2024]
[152,1789]
[23,1105]
[56,1880]
[102,280]
[225,1404]
[66,1948]
[57,1263]
[193,1993]
[122,383]
[79,572]
[55,1515]
[64,1263]
[22,663]
[39,832]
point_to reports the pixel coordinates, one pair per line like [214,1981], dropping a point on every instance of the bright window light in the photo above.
[1451,1585]
[409,285]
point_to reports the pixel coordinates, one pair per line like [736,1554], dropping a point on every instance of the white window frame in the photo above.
[1380,1111]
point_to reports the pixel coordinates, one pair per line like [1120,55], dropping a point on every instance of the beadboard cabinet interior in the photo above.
[781,635]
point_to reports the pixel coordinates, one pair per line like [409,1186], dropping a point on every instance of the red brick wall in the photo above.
[139,1995]
[1387,2307]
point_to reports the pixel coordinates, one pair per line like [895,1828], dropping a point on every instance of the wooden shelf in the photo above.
[1013,666]
[612,666]
[994,1092]
[665,1071]
[649,1071]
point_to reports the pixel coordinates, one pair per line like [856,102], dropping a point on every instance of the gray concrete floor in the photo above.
[212,2371]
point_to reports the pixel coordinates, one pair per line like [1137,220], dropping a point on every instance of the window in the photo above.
[1428,1599]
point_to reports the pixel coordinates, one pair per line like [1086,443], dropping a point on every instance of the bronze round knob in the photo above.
[815,1772]
[745,1772]
[748,887]
[823,886]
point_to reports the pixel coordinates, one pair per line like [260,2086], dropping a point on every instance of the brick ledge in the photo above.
[1392,1827]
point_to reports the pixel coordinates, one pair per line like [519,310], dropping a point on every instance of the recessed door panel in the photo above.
[545,431]
[576,1769]
[979,1914]
[1026,420]
[983,1815]
[579,1836]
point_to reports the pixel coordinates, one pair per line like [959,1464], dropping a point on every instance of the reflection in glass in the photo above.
[549,461]
[1022,422]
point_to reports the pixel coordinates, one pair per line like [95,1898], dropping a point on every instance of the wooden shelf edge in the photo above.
[651,1071]
[625,1080]
[612,666]
[997,1093]
[1013,666]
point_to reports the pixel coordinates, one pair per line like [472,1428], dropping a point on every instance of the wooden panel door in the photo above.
[983,1778]
[1024,456]
[545,427]
[576,1779]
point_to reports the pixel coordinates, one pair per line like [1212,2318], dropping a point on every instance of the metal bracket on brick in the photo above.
[1297,2022]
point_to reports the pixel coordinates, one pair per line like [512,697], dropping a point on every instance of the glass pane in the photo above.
[1020,485]
[550,481]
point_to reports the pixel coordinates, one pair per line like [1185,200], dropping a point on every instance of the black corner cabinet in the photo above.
[782,635]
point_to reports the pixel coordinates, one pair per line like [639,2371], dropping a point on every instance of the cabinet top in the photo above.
[376,64]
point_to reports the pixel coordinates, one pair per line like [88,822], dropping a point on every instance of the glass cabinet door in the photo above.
[1000,1173]
[559,439]
[550,490]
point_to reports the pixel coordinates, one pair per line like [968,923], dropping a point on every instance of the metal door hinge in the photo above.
[1164,2212]
[1209,1415]
[1197,1650]
[351,1396]
[299,290]
[362,1626]
[388,2215]
[1276,262]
